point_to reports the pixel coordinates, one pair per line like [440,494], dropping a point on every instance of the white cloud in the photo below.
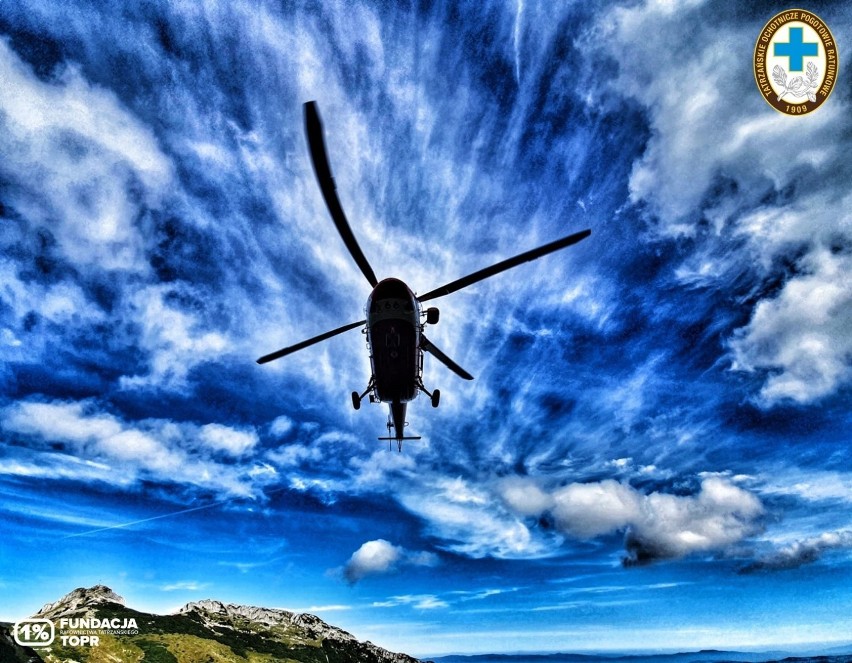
[324,608]
[117,452]
[658,525]
[75,154]
[719,516]
[484,594]
[380,468]
[63,421]
[310,448]
[524,496]
[417,601]
[380,556]
[628,399]
[373,557]
[54,516]
[294,455]
[592,509]
[802,336]
[280,426]
[470,521]
[60,303]
[53,465]
[185,586]
[230,440]
[808,485]
[139,449]
[175,339]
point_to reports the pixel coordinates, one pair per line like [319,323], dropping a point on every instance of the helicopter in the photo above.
[395,320]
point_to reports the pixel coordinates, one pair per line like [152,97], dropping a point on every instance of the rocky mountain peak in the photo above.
[217,615]
[234,632]
[230,612]
[79,600]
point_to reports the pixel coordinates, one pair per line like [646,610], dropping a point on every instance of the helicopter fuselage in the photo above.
[393,337]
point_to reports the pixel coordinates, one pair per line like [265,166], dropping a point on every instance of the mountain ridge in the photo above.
[200,631]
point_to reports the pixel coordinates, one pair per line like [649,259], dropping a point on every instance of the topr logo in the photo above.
[795,62]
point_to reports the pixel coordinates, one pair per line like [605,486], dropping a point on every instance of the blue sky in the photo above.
[654,452]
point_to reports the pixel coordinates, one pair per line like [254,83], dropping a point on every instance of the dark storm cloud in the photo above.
[800,553]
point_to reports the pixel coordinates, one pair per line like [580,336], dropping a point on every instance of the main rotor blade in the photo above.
[319,158]
[504,265]
[304,344]
[428,346]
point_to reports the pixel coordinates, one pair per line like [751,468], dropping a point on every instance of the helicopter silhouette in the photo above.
[395,323]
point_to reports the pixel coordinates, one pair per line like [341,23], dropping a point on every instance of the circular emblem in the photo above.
[795,62]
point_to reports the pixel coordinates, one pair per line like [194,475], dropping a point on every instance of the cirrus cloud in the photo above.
[84,167]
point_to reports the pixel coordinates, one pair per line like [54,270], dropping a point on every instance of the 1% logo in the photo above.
[34,632]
